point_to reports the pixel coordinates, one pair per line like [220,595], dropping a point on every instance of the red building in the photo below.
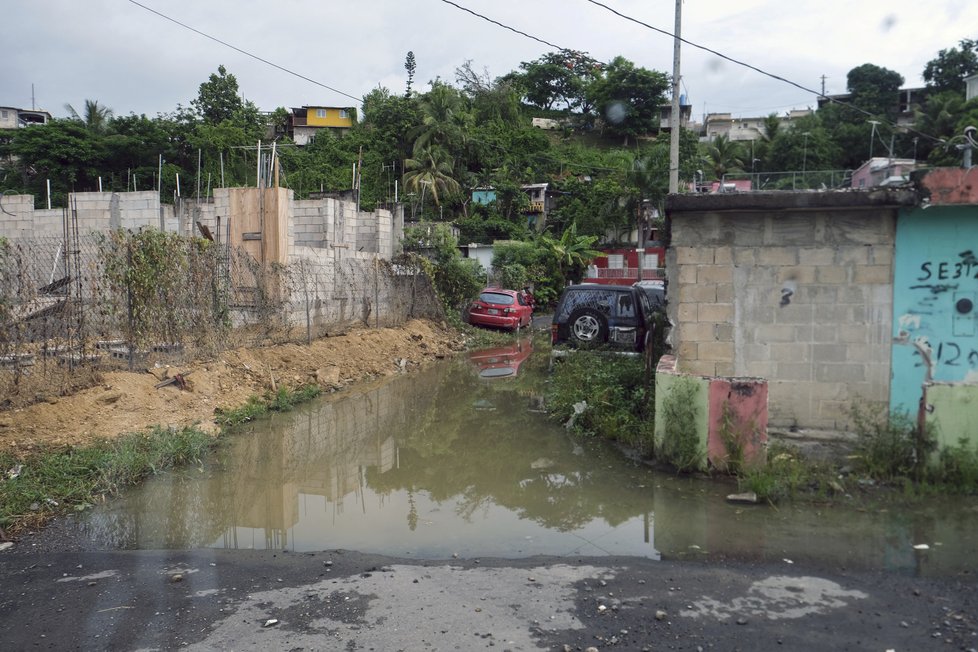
[620,266]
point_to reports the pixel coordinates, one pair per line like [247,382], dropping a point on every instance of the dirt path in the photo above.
[127,401]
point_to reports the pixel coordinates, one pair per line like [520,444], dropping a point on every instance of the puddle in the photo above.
[452,460]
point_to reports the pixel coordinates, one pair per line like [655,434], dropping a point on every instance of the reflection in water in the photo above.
[440,462]
[502,361]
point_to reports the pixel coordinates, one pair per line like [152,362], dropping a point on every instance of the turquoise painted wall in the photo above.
[935,301]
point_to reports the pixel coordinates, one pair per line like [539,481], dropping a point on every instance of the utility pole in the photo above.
[675,119]
[823,85]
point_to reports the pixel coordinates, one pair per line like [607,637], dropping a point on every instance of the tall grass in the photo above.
[56,480]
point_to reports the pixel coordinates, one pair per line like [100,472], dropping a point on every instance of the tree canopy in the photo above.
[605,159]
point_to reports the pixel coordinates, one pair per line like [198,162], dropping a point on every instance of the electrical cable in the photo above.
[828,98]
[512,29]
[245,52]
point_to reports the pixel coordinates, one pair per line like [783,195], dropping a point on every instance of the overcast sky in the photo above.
[134,61]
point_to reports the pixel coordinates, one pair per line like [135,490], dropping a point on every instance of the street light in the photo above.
[424,186]
[872,135]
[804,156]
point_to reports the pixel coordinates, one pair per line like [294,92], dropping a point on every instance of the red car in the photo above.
[498,308]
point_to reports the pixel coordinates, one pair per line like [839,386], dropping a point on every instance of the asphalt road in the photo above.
[339,600]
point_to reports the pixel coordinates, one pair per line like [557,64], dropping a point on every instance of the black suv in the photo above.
[595,315]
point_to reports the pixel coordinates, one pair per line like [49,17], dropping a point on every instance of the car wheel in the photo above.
[588,326]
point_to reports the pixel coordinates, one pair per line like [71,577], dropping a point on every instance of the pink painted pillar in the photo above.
[745,403]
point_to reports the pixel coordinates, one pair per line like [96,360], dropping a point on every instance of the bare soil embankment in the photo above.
[131,401]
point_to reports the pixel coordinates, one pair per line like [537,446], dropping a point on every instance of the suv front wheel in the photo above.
[588,326]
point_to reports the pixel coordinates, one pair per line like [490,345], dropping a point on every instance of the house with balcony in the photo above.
[746,129]
[14,118]
[883,171]
[541,198]
[665,115]
[904,106]
[306,122]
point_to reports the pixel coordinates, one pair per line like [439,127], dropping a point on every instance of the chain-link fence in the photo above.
[73,307]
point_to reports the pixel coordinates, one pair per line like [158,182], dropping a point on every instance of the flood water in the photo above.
[459,459]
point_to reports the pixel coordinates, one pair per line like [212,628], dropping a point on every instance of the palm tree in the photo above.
[430,171]
[444,119]
[572,252]
[770,127]
[96,117]
[723,156]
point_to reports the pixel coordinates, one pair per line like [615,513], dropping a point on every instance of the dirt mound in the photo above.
[127,401]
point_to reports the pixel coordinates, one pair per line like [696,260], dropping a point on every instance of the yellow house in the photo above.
[307,121]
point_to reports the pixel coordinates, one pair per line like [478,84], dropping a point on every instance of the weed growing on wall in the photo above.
[957,467]
[733,438]
[164,286]
[610,398]
[680,445]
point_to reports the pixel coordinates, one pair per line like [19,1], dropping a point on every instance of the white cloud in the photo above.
[134,61]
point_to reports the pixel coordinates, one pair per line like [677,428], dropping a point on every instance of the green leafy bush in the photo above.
[680,445]
[612,392]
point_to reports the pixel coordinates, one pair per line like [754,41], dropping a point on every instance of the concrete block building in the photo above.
[836,299]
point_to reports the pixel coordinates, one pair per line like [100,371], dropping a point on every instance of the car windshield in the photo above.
[497,297]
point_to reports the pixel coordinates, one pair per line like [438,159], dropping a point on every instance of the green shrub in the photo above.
[680,445]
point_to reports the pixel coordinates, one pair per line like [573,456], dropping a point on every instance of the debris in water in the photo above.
[921,546]
[748,497]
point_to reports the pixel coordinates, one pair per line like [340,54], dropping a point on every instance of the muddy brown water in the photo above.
[460,459]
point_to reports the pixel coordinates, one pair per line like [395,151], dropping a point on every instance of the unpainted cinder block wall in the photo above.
[802,298]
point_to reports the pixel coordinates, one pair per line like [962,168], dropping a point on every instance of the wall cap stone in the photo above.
[792,201]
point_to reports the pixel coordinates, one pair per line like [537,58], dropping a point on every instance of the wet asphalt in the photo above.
[342,600]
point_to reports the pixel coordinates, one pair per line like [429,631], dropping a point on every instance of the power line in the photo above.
[512,29]
[244,52]
[698,46]
[754,68]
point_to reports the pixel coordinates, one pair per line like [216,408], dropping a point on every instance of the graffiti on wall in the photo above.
[935,295]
